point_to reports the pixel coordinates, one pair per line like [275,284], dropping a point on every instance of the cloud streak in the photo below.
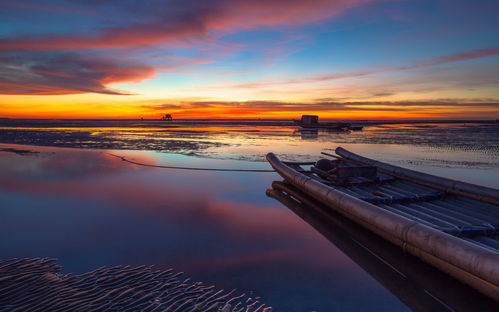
[167,21]
[451,58]
[66,73]
[327,106]
[456,57]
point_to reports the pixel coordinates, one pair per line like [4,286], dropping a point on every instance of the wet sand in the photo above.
[465,151]
[218,227]
[206,138]
[38,285]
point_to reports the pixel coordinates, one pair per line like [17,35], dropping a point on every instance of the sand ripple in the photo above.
[37,285]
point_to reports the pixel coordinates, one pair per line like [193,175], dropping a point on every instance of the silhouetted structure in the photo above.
[167,117]
[312,122]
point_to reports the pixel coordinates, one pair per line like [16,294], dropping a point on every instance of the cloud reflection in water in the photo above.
[90,209]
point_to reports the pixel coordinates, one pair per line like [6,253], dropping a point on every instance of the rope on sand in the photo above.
[190,168]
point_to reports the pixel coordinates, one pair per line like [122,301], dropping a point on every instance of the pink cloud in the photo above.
[35,65]
[457,57]
[190,19]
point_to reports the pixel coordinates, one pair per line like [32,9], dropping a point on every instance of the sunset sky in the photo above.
[249,59]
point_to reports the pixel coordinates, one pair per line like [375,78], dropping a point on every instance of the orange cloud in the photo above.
[66,73]
[327,109]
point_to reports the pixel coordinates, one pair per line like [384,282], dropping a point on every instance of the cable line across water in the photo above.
[190,168]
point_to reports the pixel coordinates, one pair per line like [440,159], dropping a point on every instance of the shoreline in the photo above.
[146,123]
[213,138]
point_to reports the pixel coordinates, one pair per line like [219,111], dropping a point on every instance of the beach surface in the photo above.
[64,195]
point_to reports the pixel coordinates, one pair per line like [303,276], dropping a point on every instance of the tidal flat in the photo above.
[64,195]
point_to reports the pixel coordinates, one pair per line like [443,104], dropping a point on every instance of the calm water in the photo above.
[88,208]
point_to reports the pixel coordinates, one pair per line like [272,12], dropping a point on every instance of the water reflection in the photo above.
[90,209]
[313,134]
[308,134]
[419,286]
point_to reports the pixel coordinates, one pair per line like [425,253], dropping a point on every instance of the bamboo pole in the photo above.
[380,258]
[477,192]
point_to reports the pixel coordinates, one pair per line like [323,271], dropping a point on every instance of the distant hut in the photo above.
[309,119]
[167,117]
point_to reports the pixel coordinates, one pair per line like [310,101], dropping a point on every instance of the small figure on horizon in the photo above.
[167,117]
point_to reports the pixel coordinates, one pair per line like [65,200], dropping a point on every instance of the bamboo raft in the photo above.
[418,285]
[37,285]
[451,225]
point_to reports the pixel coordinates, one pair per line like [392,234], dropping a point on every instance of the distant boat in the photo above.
[355,127]
[312,122]
[449,224]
